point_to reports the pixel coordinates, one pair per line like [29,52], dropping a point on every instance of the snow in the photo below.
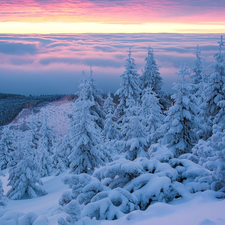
[196,209]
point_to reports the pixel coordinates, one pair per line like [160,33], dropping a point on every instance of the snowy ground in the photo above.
[196,209]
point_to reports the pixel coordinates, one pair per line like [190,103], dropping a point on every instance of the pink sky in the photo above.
[133,12]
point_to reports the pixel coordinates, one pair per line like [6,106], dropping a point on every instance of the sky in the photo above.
[45,44]
[112,16]
[53,64]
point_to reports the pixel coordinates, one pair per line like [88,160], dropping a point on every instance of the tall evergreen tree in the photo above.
[24,177]
[6,148]
[151,76]
[151,112]
[181,119]
[85,136]
[45,148]
[134,143]
[214,90]
[197,71]
[129,85]
[94,94]
[111,128]
[3,201]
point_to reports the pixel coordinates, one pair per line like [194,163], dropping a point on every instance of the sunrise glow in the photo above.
[56,27]
[76,16]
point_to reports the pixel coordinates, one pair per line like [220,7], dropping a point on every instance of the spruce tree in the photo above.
[129,85]
[181,120]
[24,177]
[45,148]
[151,112]
[151,76]
[85,136]
[134,141]
[94,94]
[214,90]
[6,148]
[197,73]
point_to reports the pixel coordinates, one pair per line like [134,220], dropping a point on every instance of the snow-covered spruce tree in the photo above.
[73,209]
[45,148]
[214,89]
[24,177]
[109,106]
[111,128]
[3,201]
[85,138]
[134,142]
[111,132]
[60,157]
[181,119]
[129,85]
[35,126]
[6,148]
[94,94]
[151,76]
[64,147]
[196,77]
[97,200]
[152,113]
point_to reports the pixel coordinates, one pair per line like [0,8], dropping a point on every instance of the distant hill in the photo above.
[12,104]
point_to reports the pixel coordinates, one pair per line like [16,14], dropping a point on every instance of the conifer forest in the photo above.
[117,158]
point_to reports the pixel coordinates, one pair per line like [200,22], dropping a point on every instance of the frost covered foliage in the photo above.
[6,148]
[151,76]
[151,113]
[129,85]
[60,158]
[147,180]
[211,155]
[84,188]
[3,201]
[214,92]
[63,148]
[24,177]
[111,128]
[134,142]
[86,136]
[45,148]
[98,200]
[181,119]
[197,73]
[73,210]
[93,94]
[35,126]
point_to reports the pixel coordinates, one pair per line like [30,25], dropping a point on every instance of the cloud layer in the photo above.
[47,64]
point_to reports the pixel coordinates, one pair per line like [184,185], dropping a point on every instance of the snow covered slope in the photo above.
[196,209]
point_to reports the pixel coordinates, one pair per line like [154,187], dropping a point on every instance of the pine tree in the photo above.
[197,73]
[24,177]
[129,86]
[94,94]
[109,106]
[3,201]
[45,148]
[111,128]
[214,90]
[85,136]
[6,148]
[151,113]
[151,76]
[181,119]
[134,141]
